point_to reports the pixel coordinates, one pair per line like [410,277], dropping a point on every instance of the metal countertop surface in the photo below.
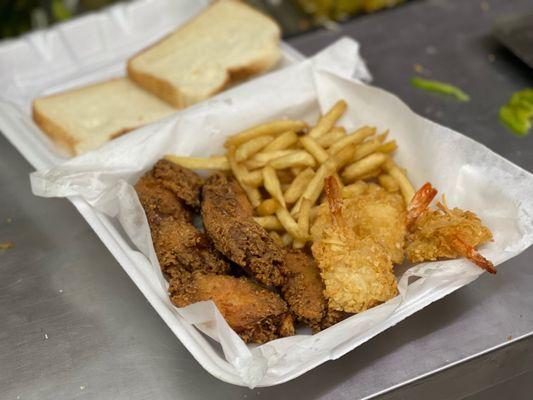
[73,325]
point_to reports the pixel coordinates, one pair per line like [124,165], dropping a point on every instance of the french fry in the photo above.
[371,174]
[296,170]
[272,184]
[298,158]
[339,180]
[298,185]
[313,213]
[361,167]
[331,137]
[355,138]
[254,178]
[406,188]
[328,120]
[218,163]
[303,222]
[388,147]
[282,142]
[239,171]
[388,182]
[314,148]
[315,186]
[286,239]
[269,222]
[344,156]
[290,225]
[365,149]
[249,148]
[276,237]
[262,158]
[273,128]
[353,190]
[267,207]
[383,136]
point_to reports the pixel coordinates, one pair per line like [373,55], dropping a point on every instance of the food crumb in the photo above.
[45,336]
[509,337]
[82,387]
[418,68]
[60,290]
[6,245]
[491,58]
[485,6]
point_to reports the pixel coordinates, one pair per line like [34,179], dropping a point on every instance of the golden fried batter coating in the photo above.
[177,243]
[357,272]
[255,313]
[376,213]
[303,290]
[446,233]
[235,234]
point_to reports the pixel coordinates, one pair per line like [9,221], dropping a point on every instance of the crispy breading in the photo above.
[177,243]
[331,317]
[432,235]
[357,271]
[183,182]
[377,213]
[235,233]
[255,313]
[303,289]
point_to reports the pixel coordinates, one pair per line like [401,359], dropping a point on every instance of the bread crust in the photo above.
[53,130]
[62,136]
[166,91]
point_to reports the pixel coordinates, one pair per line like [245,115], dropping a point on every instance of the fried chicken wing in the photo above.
[303,289]
[229,223]
[357,271]
[255,313]
[446,233]
[375,213]
[178,244]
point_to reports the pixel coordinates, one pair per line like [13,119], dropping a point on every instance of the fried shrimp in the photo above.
[444,233]
[357,272]
[375,213]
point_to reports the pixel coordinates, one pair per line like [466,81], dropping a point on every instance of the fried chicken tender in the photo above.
[375,213]
[445,233]
[257,314]
[331,317]
[178,244]
[228,221]
[303,289]
[184,183]
[357,272]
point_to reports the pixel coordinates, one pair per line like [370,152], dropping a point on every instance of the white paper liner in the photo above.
[471,175]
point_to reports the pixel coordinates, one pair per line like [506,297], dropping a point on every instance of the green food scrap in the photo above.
[439,87]
[518,112]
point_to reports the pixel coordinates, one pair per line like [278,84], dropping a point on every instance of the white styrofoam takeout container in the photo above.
[323,75]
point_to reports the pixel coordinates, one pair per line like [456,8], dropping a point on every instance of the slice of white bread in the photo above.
[85,118]
[228,41]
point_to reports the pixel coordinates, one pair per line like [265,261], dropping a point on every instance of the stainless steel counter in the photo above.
[74,326]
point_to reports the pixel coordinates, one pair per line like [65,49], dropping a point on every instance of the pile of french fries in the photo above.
[281,165]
